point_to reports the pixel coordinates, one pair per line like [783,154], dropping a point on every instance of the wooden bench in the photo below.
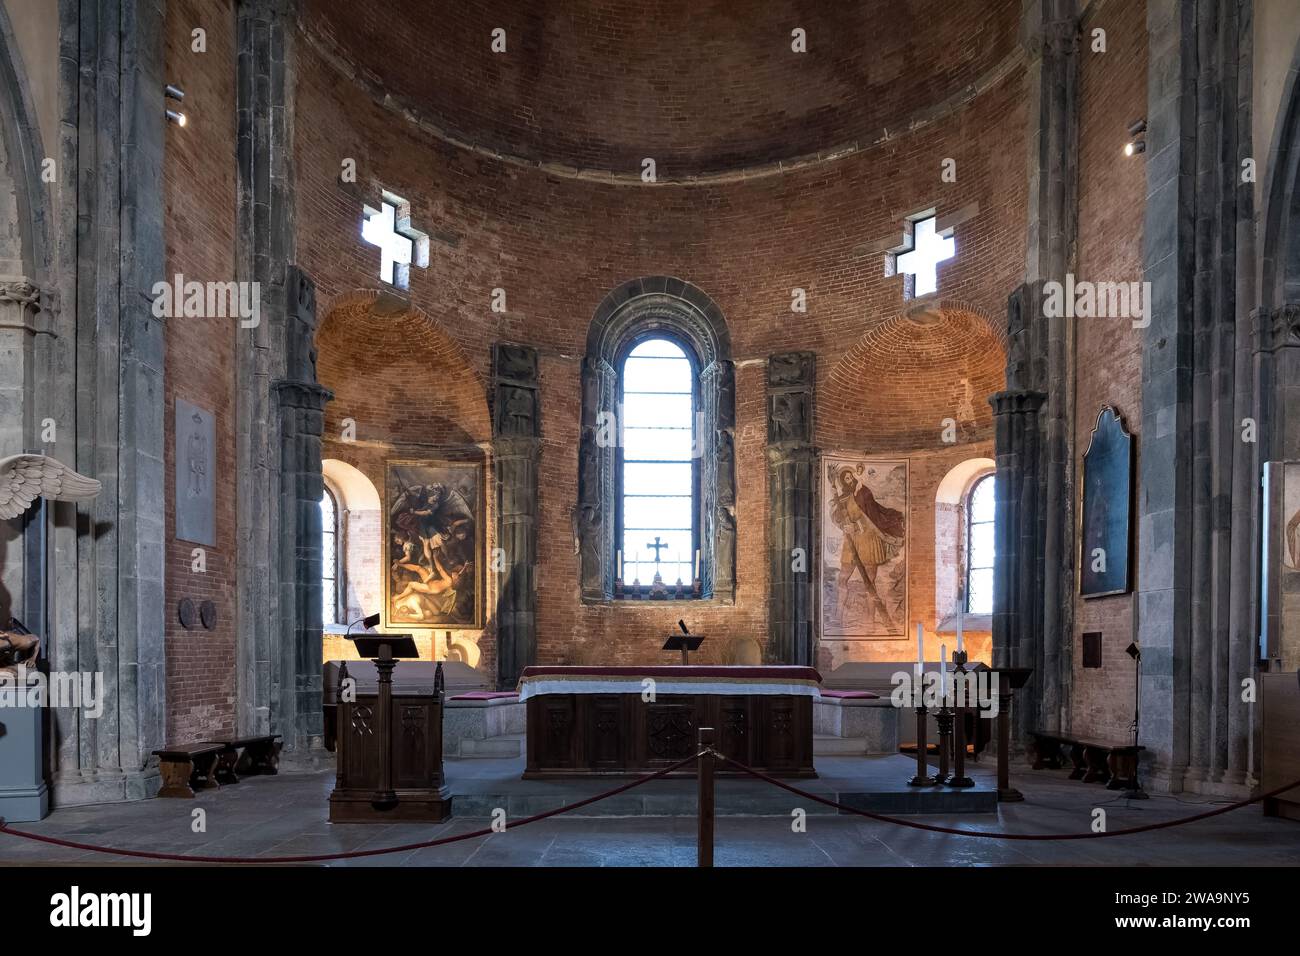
[212,763]
[1115,765]
[258,755]
[188,767]
[248,757]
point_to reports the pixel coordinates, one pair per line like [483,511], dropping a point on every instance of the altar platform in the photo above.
[876,783]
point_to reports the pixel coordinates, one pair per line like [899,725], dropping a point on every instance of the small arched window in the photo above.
[329,553]
[980,547]
[657,477]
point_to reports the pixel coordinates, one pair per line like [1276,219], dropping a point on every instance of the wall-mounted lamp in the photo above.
[1137,144]
[177,94]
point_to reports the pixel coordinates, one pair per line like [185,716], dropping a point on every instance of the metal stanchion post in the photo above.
[704,846]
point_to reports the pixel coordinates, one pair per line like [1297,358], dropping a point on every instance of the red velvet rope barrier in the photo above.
[1003,836]
[353,854]
[882,818]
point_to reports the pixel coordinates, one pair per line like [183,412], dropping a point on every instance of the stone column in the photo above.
[264,252]
[1018,577]
[21,321]
[516,446]
[104,389]
[1164,497]
[718,483]
[1197,502]
[791,472]
[593,519]
[301,406]
[1051,36]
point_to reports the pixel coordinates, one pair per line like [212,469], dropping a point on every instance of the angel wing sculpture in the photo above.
[24,478]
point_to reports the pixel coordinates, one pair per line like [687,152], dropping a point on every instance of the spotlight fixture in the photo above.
[1137,144]
[177,118]
[173,92]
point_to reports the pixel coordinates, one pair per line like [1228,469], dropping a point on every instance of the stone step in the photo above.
[826,745]
[729,801]
[507,745]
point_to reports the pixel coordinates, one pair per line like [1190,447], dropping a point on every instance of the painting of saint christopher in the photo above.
[864,548]
[1291,517]
[434,539]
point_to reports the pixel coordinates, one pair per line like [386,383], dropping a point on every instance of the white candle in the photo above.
[920,647]
[961,617]
[943,674]
[619,562]
[697,564]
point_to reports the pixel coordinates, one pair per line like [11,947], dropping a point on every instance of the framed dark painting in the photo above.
[1106,509]
[433,568]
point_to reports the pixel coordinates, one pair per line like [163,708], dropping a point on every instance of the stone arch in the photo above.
[408,385]
[1277,321]
[24,251]
[1280,259]
[24,316]
[381,333]
[660,302]
[923,365]
[674,306]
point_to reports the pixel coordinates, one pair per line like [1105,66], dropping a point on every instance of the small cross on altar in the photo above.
[657,546]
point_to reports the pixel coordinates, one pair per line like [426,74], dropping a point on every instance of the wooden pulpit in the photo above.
[389,746]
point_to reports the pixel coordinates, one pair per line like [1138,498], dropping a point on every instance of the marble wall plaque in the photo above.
[196,499]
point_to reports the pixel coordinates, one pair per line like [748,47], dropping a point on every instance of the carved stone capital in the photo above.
[309,396]
[1020,402]
[20,292]
[1277,328]
[1050,28]
[22,306]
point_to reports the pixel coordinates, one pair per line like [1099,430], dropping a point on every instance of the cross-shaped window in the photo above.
[400,245]
[919,256]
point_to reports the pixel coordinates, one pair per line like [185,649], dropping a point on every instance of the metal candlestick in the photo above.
[960,693]
[922,778]
[943,718]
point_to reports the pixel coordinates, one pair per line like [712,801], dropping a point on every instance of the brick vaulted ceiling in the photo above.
[704,87]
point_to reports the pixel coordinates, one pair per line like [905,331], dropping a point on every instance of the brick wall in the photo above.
[558,244]
[695,84]
[1112,191]
[199,192]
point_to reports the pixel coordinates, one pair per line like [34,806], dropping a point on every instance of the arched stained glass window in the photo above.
[329,551]
[980,550]
[657,474]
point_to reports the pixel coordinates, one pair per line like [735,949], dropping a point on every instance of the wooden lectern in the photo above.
[684,642]
[389,748]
